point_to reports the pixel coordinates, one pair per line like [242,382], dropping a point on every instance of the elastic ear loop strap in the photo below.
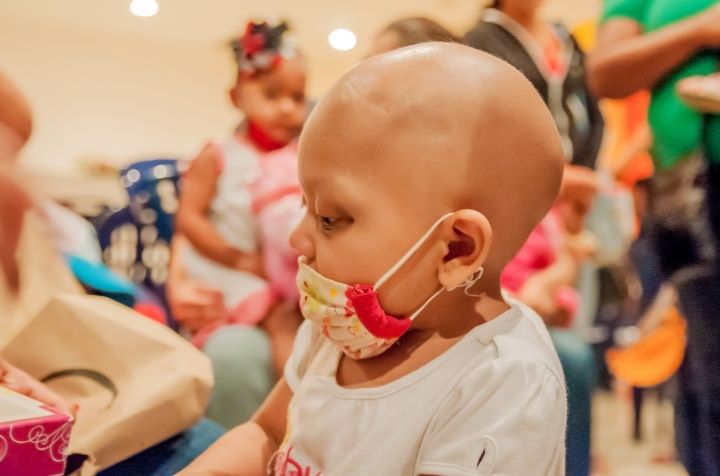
[469,282]
[410,252]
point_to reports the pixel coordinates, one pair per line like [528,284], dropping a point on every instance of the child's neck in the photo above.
[455,314]
[444,323]
[261,140]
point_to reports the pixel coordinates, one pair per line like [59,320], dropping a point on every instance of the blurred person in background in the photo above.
[543,275]
[666,47]
[409,31]
[548,55]
[221,286]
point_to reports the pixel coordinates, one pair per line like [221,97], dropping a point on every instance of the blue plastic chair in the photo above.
[136,239]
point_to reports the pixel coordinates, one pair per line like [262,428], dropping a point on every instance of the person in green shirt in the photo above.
[655,44]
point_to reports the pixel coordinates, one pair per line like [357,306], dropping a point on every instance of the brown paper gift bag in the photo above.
[136,381]
[43,273]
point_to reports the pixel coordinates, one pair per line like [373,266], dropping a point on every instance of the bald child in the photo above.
[419,187]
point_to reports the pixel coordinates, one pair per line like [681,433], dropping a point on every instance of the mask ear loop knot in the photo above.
[469,282]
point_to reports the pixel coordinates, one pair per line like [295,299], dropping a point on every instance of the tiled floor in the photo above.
[615,453]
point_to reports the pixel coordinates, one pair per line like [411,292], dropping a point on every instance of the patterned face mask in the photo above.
[351,316]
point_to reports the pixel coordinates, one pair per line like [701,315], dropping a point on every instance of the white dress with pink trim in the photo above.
[277,200]
[247,296]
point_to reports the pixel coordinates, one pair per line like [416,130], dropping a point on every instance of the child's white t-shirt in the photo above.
[494,403]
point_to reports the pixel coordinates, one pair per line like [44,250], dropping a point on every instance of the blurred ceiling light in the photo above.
[342,39]
[144,8]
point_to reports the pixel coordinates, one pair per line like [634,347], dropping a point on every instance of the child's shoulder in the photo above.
[233,155]
[235,148]
[528,341]
[514,359]
[509,400]
[517,345]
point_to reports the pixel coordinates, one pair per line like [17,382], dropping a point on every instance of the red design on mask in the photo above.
[368,309]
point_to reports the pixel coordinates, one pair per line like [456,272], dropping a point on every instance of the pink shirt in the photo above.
[539,252]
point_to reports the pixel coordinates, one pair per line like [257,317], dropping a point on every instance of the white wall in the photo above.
[115,97]
[124,97]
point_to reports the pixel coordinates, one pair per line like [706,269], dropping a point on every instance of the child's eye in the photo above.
[328,223]
[272,94]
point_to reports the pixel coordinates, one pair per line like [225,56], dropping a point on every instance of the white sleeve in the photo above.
[306,342]
[510,424]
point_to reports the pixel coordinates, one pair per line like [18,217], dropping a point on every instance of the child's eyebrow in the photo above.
[347,197]
[342,190]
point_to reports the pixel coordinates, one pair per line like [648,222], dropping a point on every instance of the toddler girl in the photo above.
[225,185]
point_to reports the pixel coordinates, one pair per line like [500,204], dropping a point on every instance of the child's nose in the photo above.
[287,105]
[300,238]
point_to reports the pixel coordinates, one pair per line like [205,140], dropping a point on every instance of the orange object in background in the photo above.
[655,357]
[628,138]
[152,311]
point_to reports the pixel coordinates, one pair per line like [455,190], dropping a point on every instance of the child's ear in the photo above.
[235,96]
[468,236]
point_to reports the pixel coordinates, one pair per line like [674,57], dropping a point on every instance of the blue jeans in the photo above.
[171,456]
[647,267]
[578,363]
[686,237]
[697,409]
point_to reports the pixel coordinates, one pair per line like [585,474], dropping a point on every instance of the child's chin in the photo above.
[284,135]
